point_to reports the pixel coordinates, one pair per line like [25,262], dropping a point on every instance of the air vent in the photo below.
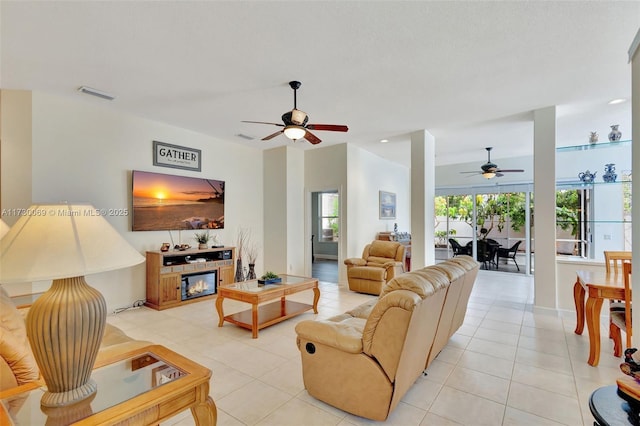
[243,136]
[95,92]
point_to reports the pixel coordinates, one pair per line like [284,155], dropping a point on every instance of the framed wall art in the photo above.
[387,205]
[177,157]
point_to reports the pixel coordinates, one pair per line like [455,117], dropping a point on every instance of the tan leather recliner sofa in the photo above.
[380,262]
[365,360]
[17,364]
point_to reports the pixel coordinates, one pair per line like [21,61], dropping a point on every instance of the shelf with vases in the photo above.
[626,144]
[601,175]
[579,184]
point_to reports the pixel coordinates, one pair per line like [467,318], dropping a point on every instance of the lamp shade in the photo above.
[65,325]
[60,241]
[294,132]
[488,175]
[4,228]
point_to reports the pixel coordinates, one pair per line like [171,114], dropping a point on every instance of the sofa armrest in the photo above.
[355,261]
[339,335]
[393,269]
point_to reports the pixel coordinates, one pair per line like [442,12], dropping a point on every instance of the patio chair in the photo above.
[487,253]
[457,248]
[510,253]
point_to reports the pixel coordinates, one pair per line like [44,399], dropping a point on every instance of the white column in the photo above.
[544,180]
[284,223]
[634,58]
[423,166]
[15,151]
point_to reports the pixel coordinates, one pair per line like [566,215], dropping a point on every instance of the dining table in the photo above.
[597,286]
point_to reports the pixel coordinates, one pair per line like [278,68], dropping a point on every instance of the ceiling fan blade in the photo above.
[498,174]
[330,127]
[509,170]
[476,173]
[311,138]
[262,122]
[273,135]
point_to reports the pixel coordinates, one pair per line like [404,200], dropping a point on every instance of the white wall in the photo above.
[326,169]
[367,174]
[84,151]
[358,175]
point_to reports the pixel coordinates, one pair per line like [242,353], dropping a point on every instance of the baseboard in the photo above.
[326,256]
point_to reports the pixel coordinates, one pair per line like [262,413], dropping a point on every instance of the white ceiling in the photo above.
[468,72]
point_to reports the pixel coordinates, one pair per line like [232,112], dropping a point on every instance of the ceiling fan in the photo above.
[295,123]
[490,170]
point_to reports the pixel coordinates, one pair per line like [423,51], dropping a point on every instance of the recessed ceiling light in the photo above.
[384,140]
[617,101]
[95,92]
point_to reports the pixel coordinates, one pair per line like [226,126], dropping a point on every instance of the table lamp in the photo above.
[64,242]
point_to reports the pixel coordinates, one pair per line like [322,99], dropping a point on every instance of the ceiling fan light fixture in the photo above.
[294,132]
[488,175]
[297,117]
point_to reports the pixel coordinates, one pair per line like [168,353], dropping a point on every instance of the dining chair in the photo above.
[613,263]
[615,259]
[621,319]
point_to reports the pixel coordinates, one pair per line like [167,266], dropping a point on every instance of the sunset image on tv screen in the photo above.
[168,202]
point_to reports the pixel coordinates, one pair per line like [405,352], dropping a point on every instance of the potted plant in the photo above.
[202,238]
[269,278]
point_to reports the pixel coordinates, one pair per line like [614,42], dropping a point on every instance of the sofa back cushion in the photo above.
[456,274]
[408,305]
[471,266]
[383,251]
[17,365]
[423,282]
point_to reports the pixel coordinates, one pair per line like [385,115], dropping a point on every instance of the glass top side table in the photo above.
[149,385]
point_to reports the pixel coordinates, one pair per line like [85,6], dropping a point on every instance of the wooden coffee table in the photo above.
[261,316]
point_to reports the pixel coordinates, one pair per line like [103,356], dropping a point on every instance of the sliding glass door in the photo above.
[493,226]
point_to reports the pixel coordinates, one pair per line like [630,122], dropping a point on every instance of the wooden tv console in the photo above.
[165,271]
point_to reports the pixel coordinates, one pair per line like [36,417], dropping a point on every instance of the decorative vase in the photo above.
[238,277]
[615,134]
[251,275]
[202,246]
[587,177]
[609,173]
[593,137]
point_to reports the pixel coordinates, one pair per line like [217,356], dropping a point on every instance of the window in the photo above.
[329,208]
[591,218]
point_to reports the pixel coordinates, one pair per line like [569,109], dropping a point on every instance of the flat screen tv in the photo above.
[168,202]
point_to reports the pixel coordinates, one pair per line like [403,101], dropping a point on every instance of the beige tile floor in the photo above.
[507,365]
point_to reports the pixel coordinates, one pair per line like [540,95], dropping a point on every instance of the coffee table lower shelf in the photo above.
[267,314]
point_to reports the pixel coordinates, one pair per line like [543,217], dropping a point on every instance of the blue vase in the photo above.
[609,173]
[615,134]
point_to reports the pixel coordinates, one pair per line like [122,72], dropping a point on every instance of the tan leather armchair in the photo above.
[380,262]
